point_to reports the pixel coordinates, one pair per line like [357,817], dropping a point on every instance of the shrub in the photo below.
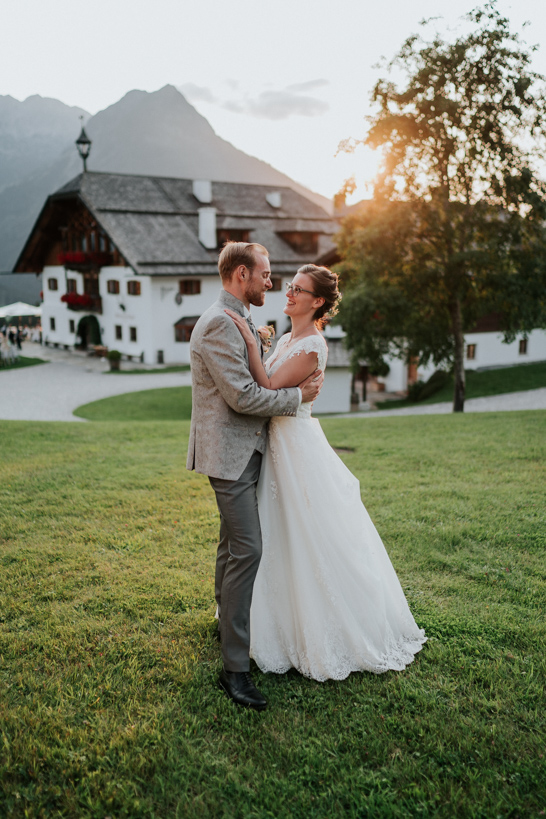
[436,382]
[421,390]
[414,390]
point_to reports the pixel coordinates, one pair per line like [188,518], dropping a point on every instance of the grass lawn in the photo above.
[22,361]
[167,404]
[108,661]
[490,382]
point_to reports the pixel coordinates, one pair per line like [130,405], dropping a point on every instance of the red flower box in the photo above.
[77,258]
[77,301]
[72,258]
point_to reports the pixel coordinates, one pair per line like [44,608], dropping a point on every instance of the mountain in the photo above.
[158,134]
[32,135]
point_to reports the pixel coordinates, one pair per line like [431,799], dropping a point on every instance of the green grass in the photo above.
[108,662]
[179,368]
[168,404]
[22,361]
[481,384]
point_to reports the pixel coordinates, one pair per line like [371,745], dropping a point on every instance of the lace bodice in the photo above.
[309,344]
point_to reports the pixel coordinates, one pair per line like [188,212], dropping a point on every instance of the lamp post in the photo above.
[83,144]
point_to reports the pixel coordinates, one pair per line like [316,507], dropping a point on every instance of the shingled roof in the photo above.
[153,221]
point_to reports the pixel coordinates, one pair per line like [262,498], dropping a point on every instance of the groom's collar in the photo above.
[233,303]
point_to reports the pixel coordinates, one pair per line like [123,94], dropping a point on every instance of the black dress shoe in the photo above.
[239,687]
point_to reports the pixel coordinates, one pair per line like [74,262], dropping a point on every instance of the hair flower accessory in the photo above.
[267,334]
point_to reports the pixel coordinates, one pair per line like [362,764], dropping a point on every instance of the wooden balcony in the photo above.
[81,261]
[82,302]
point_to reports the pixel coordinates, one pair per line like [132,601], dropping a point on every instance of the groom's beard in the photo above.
[254,292]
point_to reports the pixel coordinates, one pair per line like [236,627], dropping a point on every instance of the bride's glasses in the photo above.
[295,290]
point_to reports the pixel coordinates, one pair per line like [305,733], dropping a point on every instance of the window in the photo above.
[92,241]
[71,326]
[471,352]
[119,332]
[132,333]
[84,244]
[189,287]
[91,284]
[102,243]
[71,286]
[112,286]
[276,281]
[184,327]
[52,284]
[133,288]
[51,323]
[523,346]
[231,235]
[301,241]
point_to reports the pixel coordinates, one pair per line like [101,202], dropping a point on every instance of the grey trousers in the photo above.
[237,561]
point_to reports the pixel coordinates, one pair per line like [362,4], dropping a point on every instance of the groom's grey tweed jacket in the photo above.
[229,410]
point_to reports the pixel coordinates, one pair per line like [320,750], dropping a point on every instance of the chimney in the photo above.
[274,199]
[202,190]
[207,227]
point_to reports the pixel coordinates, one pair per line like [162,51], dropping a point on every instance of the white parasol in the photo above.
[19,308]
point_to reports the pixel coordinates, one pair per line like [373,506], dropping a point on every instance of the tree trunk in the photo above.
[459,378]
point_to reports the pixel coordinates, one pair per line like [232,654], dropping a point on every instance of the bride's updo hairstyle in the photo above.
[325,286]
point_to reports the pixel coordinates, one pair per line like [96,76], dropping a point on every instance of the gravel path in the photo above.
[525,400]
[51,392]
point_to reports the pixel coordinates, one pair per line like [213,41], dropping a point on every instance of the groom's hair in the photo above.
[234,254]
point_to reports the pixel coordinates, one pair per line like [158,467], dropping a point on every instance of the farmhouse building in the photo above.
[130,262]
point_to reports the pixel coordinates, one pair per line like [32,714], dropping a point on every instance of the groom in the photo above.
[227,440]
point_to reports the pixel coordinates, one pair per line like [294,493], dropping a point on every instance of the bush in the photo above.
[421,390]
[414,390]
[436,382]
[114,355]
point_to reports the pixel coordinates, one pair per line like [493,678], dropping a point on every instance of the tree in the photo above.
[455,228]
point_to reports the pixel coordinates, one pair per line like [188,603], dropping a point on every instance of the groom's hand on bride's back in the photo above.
[311,387]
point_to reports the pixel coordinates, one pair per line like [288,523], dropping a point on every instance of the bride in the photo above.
[326,599]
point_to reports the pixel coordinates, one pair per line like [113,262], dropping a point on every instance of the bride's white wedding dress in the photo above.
[326,599]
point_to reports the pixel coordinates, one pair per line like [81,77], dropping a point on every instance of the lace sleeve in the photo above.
[312,344]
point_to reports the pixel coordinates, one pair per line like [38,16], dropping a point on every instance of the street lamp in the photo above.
[83,144]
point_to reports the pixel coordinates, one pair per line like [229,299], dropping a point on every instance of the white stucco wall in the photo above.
[166,312]
[53,307]
[136,313]
[491,352]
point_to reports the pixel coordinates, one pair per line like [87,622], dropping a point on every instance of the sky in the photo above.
[283,80]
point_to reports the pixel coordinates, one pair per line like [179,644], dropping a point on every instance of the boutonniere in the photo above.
[267,334]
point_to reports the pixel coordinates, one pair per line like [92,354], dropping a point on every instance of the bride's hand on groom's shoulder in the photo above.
[241,325]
